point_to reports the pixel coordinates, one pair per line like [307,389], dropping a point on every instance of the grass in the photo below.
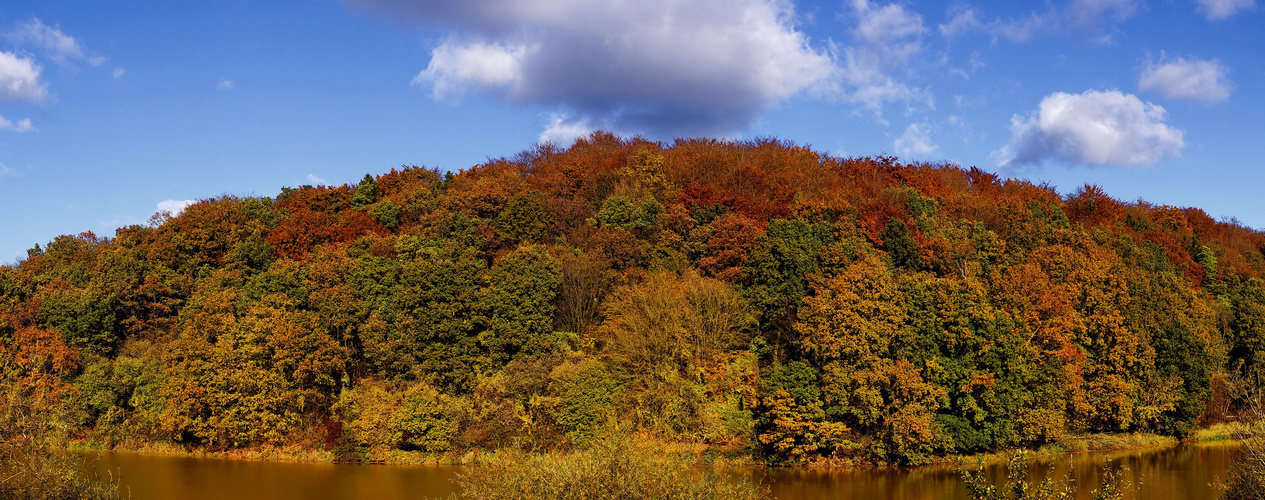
[613,468]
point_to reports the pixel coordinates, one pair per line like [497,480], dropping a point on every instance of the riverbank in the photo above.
[703,454]
[1172,473]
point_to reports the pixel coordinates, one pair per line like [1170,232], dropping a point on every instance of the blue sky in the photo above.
[109,113]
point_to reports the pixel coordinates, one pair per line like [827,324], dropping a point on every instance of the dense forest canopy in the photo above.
[748,295]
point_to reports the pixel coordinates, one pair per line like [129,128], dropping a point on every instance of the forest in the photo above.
[750,296]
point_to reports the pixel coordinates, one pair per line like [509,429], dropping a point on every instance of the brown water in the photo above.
[1178,473]
[1183,472]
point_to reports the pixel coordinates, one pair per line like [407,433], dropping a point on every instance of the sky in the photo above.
[113,111]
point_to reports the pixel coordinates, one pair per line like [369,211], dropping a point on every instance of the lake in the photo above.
[1181,472]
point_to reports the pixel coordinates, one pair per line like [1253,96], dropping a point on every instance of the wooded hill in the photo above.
[747,295]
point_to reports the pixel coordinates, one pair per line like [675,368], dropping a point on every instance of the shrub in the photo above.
[34,463]
[1017,486]
[612,469]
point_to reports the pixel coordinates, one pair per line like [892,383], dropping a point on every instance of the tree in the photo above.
[658,332]
[520,305]
[853,327]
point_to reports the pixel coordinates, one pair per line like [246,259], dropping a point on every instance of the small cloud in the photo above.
[174,207]
[118,73]
[59,46]
[5,171]
[20,79]
[1193,79]
[317,181]
[484,66]
[564,132]
[915,141]
[225,84]
[23,125]
[975,62]
[1217,10]
[1091,128]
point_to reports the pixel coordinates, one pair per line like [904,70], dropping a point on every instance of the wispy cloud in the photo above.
[118,73]
[1217,10]
[1181,78]
[59,46]
[1093,128]
[916,141]
[1093,19]
[225,84]
[317,181]
[885,39]
[5,171]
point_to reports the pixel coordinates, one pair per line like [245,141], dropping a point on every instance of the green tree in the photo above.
[520,305]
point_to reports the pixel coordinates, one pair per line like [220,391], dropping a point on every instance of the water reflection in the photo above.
[1183,472]
[161,477]
[1179,473]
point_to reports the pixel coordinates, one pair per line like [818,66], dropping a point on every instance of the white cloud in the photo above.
[5,171]
[1193,79]
[317,181]
[964,20]
[1224,9]
[562,131]
[118,73]
[1092,128]
[20,79]
[1090,18]
[886,40]
[488,67]
[663,66]
[225,84]
[174,207]
[23,125]
[1094,16]
[891,32]
[915,141]
[60,47]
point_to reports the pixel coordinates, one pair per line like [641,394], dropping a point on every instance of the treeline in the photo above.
[751,296]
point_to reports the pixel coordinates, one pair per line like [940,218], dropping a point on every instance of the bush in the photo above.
[1017,486]
[377,419]
[612,469]
[34,463]
[1247,475]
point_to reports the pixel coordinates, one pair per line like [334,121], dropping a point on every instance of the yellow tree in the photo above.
[853,328]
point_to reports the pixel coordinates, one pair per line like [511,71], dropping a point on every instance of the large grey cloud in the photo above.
[1094,128]
[663,67]
[666,67]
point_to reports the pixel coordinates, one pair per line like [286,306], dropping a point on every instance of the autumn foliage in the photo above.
[754,295]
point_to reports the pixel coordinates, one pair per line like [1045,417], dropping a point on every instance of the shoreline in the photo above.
[1220,434]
